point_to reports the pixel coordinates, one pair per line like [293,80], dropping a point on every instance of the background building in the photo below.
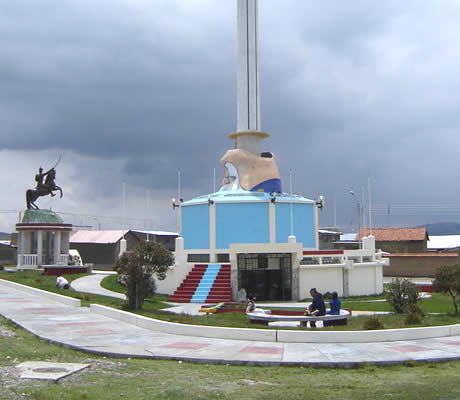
[101,248]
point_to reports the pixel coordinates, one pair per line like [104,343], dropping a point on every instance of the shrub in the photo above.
[372,323]
[401,293]
[414,315]
[138,269]
[447,280]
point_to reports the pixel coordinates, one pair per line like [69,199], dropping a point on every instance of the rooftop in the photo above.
[443,242]
[396,234]
[97,236]
[108,236]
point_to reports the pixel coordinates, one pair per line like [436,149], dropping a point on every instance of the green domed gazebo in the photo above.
[43,240]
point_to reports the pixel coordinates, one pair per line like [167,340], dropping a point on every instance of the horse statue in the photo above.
[42,189]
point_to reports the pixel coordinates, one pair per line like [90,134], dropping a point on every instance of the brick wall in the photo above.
[408,246]
[418,265]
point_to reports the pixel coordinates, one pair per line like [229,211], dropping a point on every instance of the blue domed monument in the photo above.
[250,237]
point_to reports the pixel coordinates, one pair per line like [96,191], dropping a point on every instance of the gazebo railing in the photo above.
[63,259]
[29,259]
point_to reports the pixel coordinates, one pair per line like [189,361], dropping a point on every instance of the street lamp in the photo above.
[358,209]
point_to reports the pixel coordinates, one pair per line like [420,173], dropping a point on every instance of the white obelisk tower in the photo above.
[248,135]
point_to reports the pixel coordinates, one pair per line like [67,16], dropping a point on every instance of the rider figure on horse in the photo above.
[43,187]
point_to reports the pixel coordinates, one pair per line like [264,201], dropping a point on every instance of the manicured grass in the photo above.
[152,307]
[110,283]
[110,378]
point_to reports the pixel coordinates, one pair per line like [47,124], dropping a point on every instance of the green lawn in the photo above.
[152,307]
[111,378]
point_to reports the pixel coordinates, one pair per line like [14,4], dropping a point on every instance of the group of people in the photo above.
[318,307]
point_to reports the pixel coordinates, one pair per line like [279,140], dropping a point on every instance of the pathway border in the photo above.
[266,335]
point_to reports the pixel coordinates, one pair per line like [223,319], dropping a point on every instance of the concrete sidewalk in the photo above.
[92,284]
[79,328]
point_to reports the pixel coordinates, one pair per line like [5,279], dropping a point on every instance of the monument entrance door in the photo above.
[266,276]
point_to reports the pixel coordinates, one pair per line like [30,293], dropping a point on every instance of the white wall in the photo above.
[174,277]
[323,278]
[365,280]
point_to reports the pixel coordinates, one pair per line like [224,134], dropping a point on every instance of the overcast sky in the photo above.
[131,91]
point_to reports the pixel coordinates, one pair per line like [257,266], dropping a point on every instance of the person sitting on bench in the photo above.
[317,307]
[334,304]
[334,309]
[251,305]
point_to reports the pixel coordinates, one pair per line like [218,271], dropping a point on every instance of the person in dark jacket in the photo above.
[317,307]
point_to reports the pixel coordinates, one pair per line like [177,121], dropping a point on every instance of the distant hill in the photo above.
[5,236]
[443,228]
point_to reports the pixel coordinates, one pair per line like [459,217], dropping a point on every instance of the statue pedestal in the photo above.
[43,239]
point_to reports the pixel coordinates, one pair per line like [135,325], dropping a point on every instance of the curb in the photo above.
[265,335]
[282,336]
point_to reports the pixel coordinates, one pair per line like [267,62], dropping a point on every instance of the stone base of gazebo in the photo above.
[67,269]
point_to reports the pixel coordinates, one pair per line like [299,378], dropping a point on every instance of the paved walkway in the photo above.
[92,284]
[79,328]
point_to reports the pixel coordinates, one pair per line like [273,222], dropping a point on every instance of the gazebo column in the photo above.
[39,247]
[57,247]
[21,247]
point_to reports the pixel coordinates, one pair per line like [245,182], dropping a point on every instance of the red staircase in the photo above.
[221,290]
[187,288]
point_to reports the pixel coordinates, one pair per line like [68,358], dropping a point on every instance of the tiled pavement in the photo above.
[78,327]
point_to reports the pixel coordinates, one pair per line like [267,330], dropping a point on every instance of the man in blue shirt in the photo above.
[317,307]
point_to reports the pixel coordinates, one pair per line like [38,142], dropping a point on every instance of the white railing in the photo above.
[323,257]
[63,259]
[29,259]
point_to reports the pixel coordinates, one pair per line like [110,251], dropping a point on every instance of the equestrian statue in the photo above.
[42,189]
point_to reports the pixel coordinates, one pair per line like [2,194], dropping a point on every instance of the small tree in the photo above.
[401,293]
[138,269]
[447,280]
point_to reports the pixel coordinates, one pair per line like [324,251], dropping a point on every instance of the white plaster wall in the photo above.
[323,278]
[174,277]
[365,280]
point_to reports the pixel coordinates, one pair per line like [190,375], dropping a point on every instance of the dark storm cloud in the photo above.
[105,85]
[349,92]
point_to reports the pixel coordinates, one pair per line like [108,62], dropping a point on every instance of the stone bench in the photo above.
[265,316]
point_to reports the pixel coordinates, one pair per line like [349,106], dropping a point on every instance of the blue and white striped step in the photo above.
[206,282]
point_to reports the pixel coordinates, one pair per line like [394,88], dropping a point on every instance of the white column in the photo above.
[315,211]
[39,247]
[272,221]
[122,246]
[212,233]
[20,248]
[248,79]
[57,247]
